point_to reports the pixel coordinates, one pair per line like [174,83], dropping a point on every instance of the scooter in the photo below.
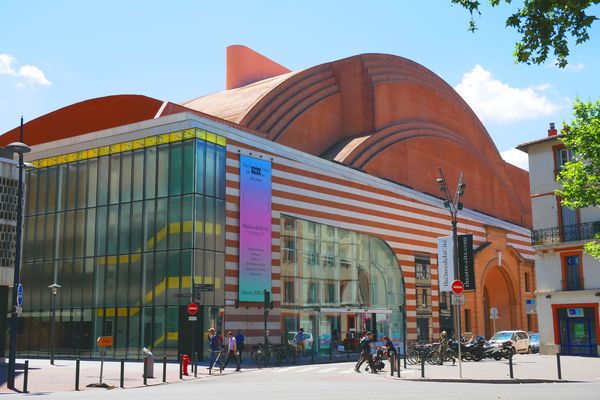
[469,350]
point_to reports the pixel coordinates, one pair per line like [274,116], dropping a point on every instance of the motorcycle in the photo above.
[469,350]
[498,351]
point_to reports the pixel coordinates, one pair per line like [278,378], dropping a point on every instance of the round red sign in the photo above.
[457,287]
[193,308]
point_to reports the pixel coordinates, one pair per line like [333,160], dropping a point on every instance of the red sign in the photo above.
[457,287]
[193,308]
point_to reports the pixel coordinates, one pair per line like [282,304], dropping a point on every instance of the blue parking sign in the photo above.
[19,295]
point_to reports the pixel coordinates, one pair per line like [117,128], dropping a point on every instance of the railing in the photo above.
[566,233]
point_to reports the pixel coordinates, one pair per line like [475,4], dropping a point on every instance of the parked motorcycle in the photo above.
[469,350]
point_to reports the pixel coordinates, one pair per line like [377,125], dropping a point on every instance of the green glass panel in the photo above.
[87,283]
[31,192]
[124,221]
[138,174]
[82,182]
[209,224]
[66,240]
[199,222]
[92,182]
[149,241]
[159,282]
[220,225]
[134,287]
[148,280]
[79,245]
[101,229]
[188,166]
[42,191]
[161,224]
[174,223]
[220,172]
[71,186]
[187,219]
[136,227]
[210,169]
[175,178]
[103,178]
[112,236]
[150,172]
[90,232]
[122,281]
[114,178]
[62,189]
[200,165]
[76,284]
[126,168]
[52,190]
[49,236]
[38,248]
[174,278]
[163,170]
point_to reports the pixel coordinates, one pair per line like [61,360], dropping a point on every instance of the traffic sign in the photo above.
[193,308]
[19,310]
[493,313]
[458,299]
[20,295]
[457,287]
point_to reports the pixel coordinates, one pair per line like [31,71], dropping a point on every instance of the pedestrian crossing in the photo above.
[324,369]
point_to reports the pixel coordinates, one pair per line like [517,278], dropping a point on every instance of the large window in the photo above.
[572,271]
[125,231]
[333,278]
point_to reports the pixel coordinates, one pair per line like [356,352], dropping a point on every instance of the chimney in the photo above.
[246,66]
[552,130]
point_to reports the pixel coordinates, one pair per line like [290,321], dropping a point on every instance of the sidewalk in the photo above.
[533,367]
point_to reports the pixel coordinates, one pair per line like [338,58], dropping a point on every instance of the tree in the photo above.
[580,178]
[543,25]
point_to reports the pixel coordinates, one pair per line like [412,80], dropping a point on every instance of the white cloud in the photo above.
[575,67]
[26,75]
[516,157]
[495,101]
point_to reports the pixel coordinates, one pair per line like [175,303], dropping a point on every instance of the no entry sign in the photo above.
[457,287]
[192,308]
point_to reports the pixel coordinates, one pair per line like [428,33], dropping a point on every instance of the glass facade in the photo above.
[338,281]
[124,231]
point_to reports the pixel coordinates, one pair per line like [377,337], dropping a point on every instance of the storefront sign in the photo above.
[466,266]
[255,228]
[575,312]
[445,263]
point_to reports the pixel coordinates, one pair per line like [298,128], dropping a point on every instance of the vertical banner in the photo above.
[255,228]
[445,263]
[466,267]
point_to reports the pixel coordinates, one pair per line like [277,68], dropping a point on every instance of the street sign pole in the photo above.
[457,288]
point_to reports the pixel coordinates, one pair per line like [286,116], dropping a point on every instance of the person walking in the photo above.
[300,339]
[231,352]
[239,340]
[213,348]
[366,343]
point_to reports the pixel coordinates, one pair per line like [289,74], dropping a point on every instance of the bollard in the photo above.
[164,368]
[348,352]
[558,366]
[398,359]
[392,363]
[122,376]
[145,369]
[181,366]
[312,354]
[77,374]
[195,365]
[331,350]
[26,376]
[422,365]
[294,354]
[404,359]
[510,366]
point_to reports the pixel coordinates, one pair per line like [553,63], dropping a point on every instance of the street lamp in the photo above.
[54,287]
[454,206]
[20,148]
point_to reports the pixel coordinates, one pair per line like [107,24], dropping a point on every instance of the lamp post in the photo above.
[54,287]
[20,148]
[454,206]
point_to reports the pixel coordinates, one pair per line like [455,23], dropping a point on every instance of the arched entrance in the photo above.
[498,292]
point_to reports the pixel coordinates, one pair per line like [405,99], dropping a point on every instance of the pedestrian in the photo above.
[365,345]
[231,352]
[300,339]
[443,346]
[213,348]
[239,340]
[391,351]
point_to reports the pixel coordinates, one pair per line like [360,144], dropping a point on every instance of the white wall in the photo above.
[544,212]
[541,168]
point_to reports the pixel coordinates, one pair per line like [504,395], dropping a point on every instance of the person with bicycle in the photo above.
[391,351]
[300,342]
[443,346]
[365,345]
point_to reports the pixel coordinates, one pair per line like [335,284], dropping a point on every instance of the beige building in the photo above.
[568,280]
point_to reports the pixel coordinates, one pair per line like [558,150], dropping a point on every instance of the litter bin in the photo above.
[149,363]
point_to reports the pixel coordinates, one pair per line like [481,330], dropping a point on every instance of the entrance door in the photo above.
[190,333]
[577,336]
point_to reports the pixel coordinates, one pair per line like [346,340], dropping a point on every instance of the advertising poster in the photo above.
[445,263]
[466,266]
[255,228]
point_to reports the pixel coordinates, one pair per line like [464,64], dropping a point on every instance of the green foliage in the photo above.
[543,25]
[580,178]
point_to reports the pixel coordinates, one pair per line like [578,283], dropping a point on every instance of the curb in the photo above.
[489,381]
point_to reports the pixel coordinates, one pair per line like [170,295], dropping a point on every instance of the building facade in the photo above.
[568,279]
[129,211]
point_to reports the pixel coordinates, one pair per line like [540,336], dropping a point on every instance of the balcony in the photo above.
[567,233]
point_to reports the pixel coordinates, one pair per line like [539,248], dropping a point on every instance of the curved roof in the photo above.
[86,116]
[386,115]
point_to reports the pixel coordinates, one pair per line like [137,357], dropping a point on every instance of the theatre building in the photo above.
[318,185]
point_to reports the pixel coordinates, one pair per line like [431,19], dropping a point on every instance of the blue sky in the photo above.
[55,53]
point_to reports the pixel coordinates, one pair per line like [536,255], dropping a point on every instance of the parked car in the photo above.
[520,340]
[308,339]
[534,338]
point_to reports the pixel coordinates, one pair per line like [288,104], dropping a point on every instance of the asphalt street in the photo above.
[332,381]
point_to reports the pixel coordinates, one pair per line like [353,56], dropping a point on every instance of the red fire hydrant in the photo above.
[185,360]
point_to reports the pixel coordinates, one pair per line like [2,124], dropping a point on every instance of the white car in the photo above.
[520,340]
